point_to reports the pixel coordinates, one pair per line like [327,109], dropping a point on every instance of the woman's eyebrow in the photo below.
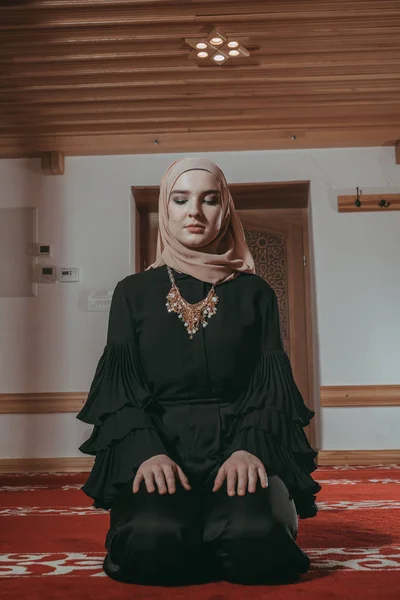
[188,192]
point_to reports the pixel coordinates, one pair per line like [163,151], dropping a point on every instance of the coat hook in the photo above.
[358,201]
[383,203]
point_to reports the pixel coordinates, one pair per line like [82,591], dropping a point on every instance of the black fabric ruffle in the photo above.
[126,431]
[268,422]
[117,382]
[116,427]
[115,464]
[272,385]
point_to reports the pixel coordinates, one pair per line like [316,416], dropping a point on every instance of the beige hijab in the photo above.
[233,254]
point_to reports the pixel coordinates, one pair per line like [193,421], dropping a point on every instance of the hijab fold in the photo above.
[232,255]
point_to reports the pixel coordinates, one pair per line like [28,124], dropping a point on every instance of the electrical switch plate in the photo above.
[100,300]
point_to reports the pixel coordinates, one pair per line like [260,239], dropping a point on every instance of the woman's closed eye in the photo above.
[207,200]
[211,200]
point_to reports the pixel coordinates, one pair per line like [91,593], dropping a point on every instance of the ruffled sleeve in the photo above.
[271,415]
[127,429]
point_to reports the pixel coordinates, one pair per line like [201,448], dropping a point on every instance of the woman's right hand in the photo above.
[162,471]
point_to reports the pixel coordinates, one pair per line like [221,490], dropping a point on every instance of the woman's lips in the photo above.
[195,228]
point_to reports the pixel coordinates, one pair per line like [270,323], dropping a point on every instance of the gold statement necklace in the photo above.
[192,315]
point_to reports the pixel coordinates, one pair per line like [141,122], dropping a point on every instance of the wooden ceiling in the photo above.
[88,77]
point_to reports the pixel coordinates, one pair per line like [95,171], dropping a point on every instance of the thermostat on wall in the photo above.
[42,250]
[68,274]
[46,274]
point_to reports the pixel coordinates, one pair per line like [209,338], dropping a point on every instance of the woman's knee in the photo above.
[150,535]
[250,542]
[149,550]
[157,533]
[152,542]
[249,552]
[281,505]
[243,538]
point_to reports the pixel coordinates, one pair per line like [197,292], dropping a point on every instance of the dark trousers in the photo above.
[199,535]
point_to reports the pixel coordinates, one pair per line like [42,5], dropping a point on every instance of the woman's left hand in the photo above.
[242,469]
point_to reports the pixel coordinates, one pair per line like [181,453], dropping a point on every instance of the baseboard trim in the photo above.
[72,402]
[360,395]
[46,465]
[51,402]
[358,457]
[84,464]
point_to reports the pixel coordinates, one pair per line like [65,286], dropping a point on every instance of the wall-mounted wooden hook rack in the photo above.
[369,202]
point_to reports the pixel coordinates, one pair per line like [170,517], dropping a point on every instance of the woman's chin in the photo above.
[195,241]
[198,241]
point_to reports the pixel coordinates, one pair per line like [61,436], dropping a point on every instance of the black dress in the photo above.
[156,391]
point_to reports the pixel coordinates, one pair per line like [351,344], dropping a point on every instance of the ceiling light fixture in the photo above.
[218,47]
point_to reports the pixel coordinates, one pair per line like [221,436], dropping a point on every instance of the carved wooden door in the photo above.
[276,243]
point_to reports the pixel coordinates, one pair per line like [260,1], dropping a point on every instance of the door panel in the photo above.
[269,253]
[276,244]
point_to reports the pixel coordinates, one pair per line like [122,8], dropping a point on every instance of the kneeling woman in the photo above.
[198,424]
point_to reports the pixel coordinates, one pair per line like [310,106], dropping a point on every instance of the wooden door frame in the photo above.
[287,197]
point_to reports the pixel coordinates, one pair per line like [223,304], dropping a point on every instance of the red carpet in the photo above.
[52,543]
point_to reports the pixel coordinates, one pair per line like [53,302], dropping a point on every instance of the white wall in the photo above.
[52,343]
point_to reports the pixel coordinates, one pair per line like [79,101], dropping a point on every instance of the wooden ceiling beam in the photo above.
[363,63]
[154,105]
[219,124]
[174,57]
[257,31]
[278,107]
[197,91]
[55,49]
[27,23]
[14,60]
[190,77]
[273,5]
[167,12]
[209,76]
[277,116]
[189,141]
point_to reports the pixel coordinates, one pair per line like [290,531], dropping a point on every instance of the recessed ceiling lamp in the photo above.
[217,47]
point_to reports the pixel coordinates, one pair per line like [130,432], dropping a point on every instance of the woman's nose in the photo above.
[194,211]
